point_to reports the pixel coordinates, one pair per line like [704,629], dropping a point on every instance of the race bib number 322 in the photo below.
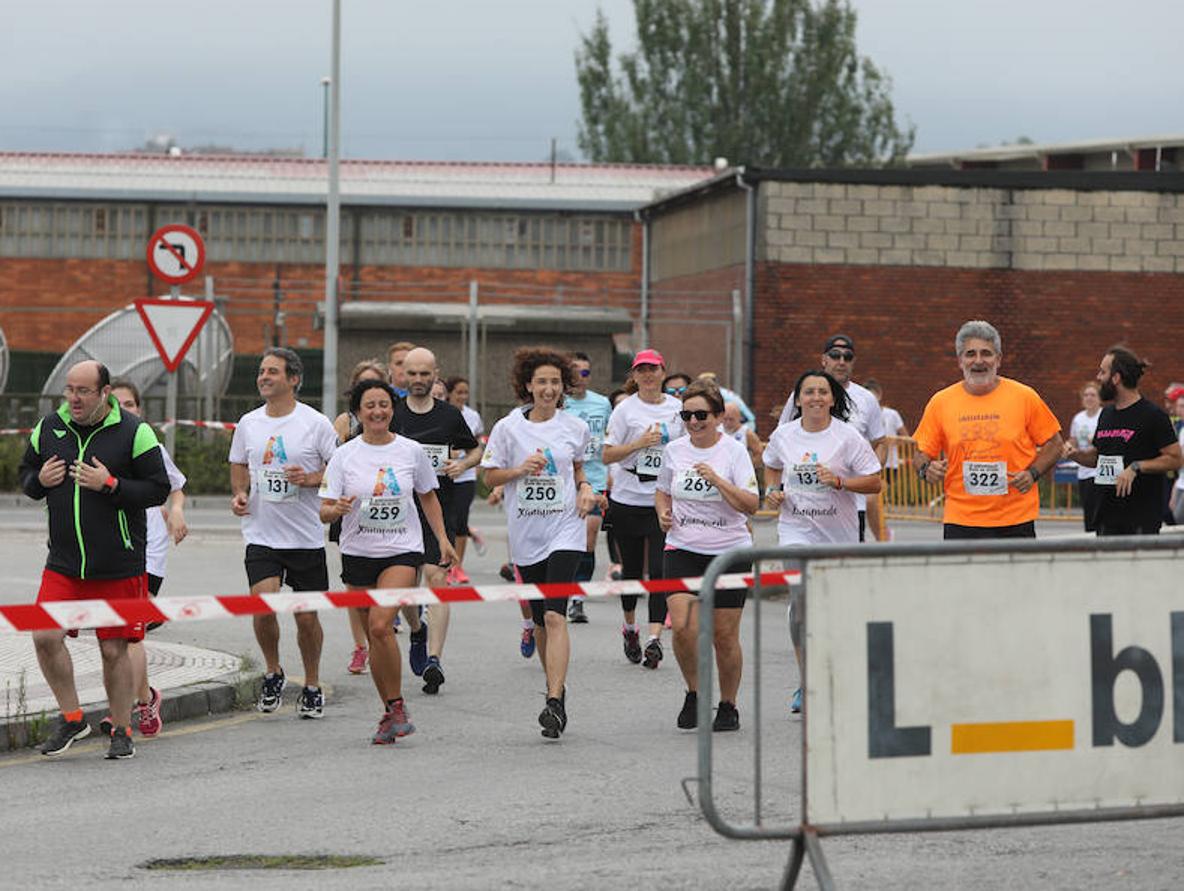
[984,477]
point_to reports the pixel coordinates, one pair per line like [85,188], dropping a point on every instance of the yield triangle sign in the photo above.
[173,325]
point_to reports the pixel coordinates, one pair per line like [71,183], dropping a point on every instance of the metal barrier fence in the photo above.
[877,559]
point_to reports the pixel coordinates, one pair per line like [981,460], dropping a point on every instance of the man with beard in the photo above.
[987,439]
[1133,446]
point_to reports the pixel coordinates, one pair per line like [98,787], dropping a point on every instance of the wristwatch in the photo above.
[1134,465]
[109,485]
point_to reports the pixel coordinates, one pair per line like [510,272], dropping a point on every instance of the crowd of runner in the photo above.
[667,467]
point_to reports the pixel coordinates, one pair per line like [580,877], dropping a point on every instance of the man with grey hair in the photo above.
[277,458]
[987,439]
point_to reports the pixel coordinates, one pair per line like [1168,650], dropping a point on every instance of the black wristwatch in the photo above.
[1135,466]
[923,469]
[1034,472]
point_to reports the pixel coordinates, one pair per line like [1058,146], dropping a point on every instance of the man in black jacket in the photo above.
[98,469]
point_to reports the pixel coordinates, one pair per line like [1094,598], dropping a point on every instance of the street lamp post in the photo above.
[332,221]
[325,81]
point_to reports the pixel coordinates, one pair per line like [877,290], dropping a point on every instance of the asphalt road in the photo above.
[476,799]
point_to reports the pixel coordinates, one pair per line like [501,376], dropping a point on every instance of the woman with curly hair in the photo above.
[536,452]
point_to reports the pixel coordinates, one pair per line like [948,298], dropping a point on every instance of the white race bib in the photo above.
[541,493]
[1109,467]
[649,461]
[984,477]
[437,454]
[275,486]
[689,486]
[802,478]
[385,513]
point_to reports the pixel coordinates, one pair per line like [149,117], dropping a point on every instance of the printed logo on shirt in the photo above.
[274,450]
[665,433]
[1116,433]
[59,433]
[386,484]
[809,458]
[551,467]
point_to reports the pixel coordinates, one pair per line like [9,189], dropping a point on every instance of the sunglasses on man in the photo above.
[699,414]
[676,391]
[845,355]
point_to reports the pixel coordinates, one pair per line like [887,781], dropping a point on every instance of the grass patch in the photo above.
[261,861]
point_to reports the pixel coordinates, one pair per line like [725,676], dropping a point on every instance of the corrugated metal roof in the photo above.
[1015,151]
[256,179]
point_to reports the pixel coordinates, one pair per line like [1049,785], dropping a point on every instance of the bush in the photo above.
[201,455]
[12,449]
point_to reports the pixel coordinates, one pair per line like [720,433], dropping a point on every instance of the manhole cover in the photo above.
[261,861]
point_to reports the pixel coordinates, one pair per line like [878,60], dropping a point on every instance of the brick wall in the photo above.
[1055,327]
[88,290]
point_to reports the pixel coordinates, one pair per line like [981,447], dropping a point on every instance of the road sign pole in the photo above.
[170,432]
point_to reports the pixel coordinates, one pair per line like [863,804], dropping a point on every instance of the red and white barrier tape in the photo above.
[214,425]
[113,613]
[15,431]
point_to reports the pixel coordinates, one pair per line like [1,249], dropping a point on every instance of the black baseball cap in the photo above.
[839,340]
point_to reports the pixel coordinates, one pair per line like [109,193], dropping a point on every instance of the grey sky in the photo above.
[475,80]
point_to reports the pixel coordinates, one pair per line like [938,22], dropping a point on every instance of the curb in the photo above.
[223,694]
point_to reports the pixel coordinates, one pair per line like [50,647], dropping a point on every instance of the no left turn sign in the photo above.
[176,254]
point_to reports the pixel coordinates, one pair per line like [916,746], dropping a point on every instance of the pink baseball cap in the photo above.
[649,357]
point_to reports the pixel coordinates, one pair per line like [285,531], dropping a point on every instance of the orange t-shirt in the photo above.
[978,434]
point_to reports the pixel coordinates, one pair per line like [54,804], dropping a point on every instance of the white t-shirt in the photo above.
[866,417]
[630,419]
[892,422]
[813,513]
[541,514]
[703,521]
[157,549]
[1081,432]
[383,521]
[281,515]
[477,426]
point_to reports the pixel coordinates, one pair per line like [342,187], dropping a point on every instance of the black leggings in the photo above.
[638,534]
[560,566]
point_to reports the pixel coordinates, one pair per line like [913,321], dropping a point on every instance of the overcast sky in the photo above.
[481,80]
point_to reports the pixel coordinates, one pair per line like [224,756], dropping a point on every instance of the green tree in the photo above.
[769,83]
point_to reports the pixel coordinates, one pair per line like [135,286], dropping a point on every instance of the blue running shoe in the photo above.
[795,704]
[526,647]
[417,653]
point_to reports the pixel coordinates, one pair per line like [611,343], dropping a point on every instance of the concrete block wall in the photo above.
[973,228]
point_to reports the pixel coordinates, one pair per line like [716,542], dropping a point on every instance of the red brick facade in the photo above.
[1055,327]
[91,289]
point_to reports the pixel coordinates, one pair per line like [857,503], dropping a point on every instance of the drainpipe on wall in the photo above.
[645,280]
[745,387]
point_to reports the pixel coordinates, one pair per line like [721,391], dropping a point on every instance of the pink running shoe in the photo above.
[458,576]
[357,662]
[148,714]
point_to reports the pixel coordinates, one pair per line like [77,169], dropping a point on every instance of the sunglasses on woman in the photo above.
[676,391]
[699,414]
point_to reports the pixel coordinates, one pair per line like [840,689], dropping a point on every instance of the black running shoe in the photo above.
[121,745]
[311,703]
[575,613]
[271,694]
[417,653]
[433,676]
[64,736]
[726,717]
[653,653]
[688,718]
[632,641]
[553,718]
